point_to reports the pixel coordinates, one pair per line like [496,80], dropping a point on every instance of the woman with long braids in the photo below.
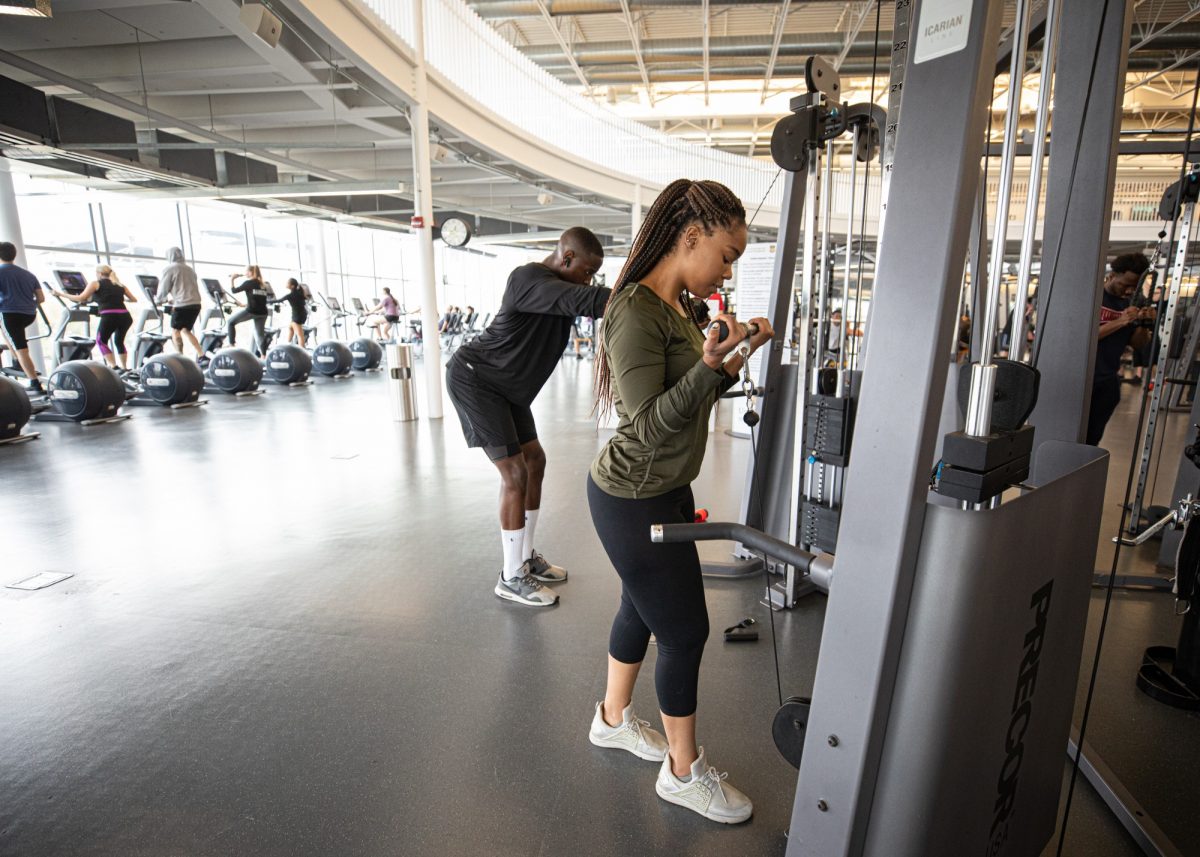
[663,375]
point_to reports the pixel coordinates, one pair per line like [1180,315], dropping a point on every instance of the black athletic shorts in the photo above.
[391,319]
[15,323]
[184,317]
[488,419]
[299,316]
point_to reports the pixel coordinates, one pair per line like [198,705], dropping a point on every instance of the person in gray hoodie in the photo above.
[179,289]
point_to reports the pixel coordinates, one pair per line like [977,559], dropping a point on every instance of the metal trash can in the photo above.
[402,386]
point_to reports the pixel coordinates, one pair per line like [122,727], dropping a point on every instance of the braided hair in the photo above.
[681,204]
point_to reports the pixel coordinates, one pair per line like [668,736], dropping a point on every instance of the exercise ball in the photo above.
[15,409]
[172,379]
[235,370]
[289,364]
[367,353]
[86,390]
[333,358]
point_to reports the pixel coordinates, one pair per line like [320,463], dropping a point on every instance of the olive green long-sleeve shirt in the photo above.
[663,393]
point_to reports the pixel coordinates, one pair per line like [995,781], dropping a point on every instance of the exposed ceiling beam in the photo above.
[637,48]
[1160,73]
[779,24]
[163,120]
[1186,16]
[211,92]
[706,25]
[852,34]
[192,146]
[562,43]
[743,48]
[528,9]
[288,66]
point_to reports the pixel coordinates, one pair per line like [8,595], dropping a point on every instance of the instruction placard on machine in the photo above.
[755,282]
[942,29]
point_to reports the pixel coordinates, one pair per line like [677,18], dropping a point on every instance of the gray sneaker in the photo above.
[525,590]
[543,570]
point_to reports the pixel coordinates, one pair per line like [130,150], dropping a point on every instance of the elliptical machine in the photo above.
[148,342]
[67,347]
[16,408]
[235,371]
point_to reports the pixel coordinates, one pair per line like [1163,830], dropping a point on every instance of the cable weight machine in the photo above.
[947,669]
[820,425]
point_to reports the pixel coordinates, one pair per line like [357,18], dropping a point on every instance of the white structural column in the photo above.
[10,231]
[635,213]
[423,223]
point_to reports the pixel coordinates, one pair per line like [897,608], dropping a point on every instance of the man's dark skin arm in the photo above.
[1128,316]
[575,267]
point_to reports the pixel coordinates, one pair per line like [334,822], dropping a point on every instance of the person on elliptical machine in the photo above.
[493,379]
[20,294]
[254,309]
[391,315]
[179,289]
[110,295]
[296,300]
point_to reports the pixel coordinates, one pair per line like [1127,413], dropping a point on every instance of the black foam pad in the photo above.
[1014,396]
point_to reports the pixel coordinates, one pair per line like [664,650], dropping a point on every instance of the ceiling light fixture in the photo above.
[31,153]
[130,176]
[29,8]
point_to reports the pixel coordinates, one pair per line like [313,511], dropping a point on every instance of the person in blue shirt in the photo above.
[20,294]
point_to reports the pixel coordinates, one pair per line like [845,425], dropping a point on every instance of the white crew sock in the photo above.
[513,542]
[531,516]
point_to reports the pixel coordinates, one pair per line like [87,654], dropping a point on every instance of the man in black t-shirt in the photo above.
[493,379]
[1118,329]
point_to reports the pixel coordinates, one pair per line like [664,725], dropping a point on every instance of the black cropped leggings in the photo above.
[111,331]
[661,591]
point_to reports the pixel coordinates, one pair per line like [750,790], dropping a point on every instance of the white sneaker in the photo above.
[706,792]
[525,590]
[632,734]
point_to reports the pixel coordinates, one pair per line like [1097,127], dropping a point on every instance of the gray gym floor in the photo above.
[281,639]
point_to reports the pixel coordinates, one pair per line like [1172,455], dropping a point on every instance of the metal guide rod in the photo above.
[825,273]
[983,373]
[858,277]
[804,324]
[891,127]
[841,356]
[815,480]
[1167,325]
[1016,343]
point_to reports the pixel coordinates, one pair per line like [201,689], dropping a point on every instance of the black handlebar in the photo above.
[722,531]
[751,329]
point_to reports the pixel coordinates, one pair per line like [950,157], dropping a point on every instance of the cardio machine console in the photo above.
[149,286]
[71,282]
[213,287]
